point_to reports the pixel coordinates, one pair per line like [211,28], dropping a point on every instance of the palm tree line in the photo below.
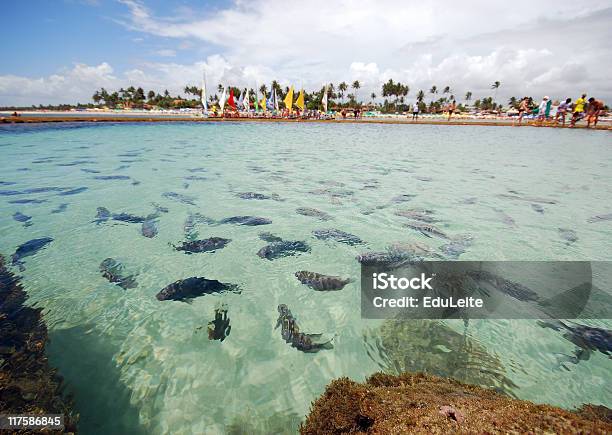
[394,95]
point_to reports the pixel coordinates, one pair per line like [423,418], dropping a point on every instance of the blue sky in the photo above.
[61,51]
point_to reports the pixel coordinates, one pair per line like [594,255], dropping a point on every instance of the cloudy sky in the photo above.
[61,51]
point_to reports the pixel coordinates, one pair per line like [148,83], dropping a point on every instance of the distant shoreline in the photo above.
[59,117]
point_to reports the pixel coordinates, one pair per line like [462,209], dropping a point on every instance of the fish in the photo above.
[255,195]
[456,247]
[405,197]
[586,338]
[90,171]
[103,215]
[206,245]
[537,208]
[73,191]
[246,220]
[269,237]
[20,217]
[427,230]
[28,249]
[414,249]
[149,227]
[515,195]
[219,328]
[185,199]
[60,208]
[27,201]
[282,248]
[506,219]
[568,235]
[313,212]
[111,177]
[337,235]
[290,332]
[113,271]
[321,282]
[417,215]
[599,218]
[511,288]
[390,258]
[189,288]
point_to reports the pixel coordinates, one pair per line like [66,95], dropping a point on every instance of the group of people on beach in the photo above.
[548,110]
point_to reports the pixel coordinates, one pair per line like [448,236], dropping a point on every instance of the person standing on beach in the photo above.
[542,110]
[415,111]
[578,110]
[451,109]
[562,110]
[523,107]
[595,109]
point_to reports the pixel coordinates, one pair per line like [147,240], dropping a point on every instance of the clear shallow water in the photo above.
[135,362]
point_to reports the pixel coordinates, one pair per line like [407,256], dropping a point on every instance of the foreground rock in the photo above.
[28,385]
[419,403]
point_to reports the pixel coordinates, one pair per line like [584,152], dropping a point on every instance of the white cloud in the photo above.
[554,47]
[165,52]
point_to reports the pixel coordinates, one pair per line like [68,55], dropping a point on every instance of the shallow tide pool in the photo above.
[135,363]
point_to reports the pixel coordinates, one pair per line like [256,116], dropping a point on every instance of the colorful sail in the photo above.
[241,100]
[300,100]
[230,100]
[324,100]
[275,101]
[222,100]
[270,101]
[289,99]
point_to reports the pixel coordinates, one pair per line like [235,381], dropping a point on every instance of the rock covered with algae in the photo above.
[421,403]
[28,385]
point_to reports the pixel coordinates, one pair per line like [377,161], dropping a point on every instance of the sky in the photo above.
[62,51]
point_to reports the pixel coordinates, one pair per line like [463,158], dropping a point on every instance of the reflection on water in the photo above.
[116,200]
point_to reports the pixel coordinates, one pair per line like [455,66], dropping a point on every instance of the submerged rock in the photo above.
[421,403]
[569,236]
[321,282]
[189,288]
[28,384]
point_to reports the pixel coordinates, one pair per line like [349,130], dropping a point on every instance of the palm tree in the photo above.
[421,96]
[263,89]
[373,96]
[446,90]
[496,84]
[342,87]
[433,90]
[356,86]
[468,95]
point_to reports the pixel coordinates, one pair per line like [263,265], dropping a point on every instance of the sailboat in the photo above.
[203,95]
[222,100]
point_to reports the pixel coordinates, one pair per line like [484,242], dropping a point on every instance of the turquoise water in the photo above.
[136,363]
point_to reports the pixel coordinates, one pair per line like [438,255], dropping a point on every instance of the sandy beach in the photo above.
[139,116]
